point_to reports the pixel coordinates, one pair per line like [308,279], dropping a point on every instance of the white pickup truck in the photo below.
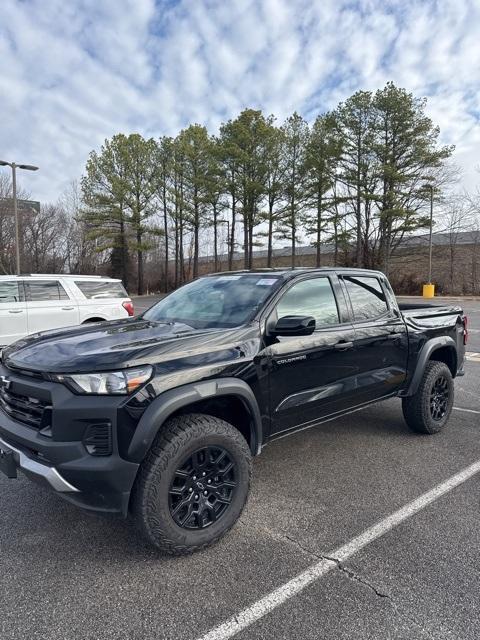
[33,303]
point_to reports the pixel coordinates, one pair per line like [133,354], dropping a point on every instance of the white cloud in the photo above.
[75,73]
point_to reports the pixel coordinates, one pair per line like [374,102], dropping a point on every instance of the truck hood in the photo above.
[127,343]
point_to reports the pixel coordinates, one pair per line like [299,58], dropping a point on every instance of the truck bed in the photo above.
[431,315]
[417,310]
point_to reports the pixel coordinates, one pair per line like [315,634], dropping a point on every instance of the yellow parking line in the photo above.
[472,357]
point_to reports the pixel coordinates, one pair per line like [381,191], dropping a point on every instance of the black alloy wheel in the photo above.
[202,488]
[428,409]
[439,397]
[193,484]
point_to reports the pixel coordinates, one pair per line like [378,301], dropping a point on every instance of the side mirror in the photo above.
[294,326]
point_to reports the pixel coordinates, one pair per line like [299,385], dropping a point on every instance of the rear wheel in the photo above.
[193,484]
[429,409]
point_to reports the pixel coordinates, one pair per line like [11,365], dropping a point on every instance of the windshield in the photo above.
[215,301]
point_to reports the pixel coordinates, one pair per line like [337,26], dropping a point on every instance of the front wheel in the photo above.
[429,409]
[193,484]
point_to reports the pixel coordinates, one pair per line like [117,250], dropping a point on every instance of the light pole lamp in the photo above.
[14,167]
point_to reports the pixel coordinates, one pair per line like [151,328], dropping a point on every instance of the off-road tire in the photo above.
[176,440]
[417,408]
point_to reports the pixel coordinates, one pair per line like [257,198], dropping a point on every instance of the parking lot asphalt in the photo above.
[65,574]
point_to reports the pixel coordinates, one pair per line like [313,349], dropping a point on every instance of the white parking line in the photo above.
[288,590]
[466,410]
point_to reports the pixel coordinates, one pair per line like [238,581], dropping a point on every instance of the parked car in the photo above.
[33,303]
[160,415]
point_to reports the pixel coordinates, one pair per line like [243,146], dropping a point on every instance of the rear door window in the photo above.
[10,291]
[96,290]
[367,297]
[42,290]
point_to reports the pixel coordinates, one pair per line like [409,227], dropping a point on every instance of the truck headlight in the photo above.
[108,382]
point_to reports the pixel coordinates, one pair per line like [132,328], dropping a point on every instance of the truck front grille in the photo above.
[31,411]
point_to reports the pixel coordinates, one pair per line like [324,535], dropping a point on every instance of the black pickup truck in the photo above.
[159,416]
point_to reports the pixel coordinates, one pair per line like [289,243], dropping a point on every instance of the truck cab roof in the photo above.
[292,272]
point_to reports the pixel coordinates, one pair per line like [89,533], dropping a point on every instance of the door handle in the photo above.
[67,308]
[15,311]
[343,346]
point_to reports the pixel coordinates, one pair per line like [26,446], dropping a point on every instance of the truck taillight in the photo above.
[128,306]
[465,329]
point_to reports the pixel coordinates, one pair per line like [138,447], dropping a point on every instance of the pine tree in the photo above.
[296,134]
[322,156]
[357,172]
[408,154]
[247,140]
[140,182]
[230,177]
[104,195]
[165,162]
[195,147]
[215,192]
[274,183]
[118,189]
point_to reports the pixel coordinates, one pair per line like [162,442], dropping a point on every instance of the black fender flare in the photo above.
[174,399]
[424,356]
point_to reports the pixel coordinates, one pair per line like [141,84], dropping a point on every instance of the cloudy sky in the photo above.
[74,73]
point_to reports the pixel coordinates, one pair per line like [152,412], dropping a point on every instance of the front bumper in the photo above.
[32,468]
[57,457]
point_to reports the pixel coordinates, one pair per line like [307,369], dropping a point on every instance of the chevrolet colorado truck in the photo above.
[159,416]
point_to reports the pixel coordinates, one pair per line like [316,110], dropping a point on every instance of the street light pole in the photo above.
[14,167]
[15,216]
[430,239]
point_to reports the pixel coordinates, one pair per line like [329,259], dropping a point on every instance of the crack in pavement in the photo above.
[348,572]
[354,576]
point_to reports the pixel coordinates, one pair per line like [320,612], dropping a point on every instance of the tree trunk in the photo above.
[181,262]
[195,240]
[165,228]
[232,236]
[138,220]
[270,235]
[177,252]
[335,245]
[250,247]
[215,238]
[245,239]
[359,260]
[294,233]
[358,211]
[319,228]
[452,261]
[195,252]
[140,263]
[124,251]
